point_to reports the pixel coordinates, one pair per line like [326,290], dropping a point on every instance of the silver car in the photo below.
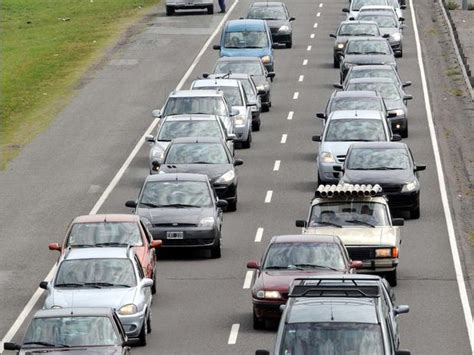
[172,5]
[356,5]
[103,277]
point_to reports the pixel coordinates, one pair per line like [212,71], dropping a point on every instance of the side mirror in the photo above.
[332,35]
[337,85]
[420,167]
[262,352]
[234,112]
[398,222]
[156,113]
[408,97]
[356,264]
[300,223]
[216,47]
[401,309]
[271,75]
[253,265]
[291,19]
[316,138]
[401,19]
[337,168]
[205,75]
[238,162]
[155,244]
[345,10]
[156,164]
[131,204]
[222,203]
[321,115]
[149,138]
[54,246]
[352,18]
[391,114]
[396,138]
[15,346]
[146,282]
[231,137]
[406,83]
[402,352]
[43,285]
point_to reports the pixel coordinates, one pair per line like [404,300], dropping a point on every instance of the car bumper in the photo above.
[369,262]
[267,309]
[265,98]
[132,324]
[398,123]
[396,46]
[226,192]
[184,6]
[242,132]
[327,174]
[281,37]
[193,237]
[403,200]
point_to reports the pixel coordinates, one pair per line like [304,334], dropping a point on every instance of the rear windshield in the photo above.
[357,4]
[267,13]
[244,67]
[356,103]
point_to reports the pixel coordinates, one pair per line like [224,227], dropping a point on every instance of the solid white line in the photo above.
[290,115]
[315,25]
[34,299]
[308,48]
[276,167]
[301,78]
[259,235]
[296,95]
[283,138]
[442,185]
[248,279]
[321,5]
[311,35]
[305,62]
[318,14]
[234,332]
[268,196]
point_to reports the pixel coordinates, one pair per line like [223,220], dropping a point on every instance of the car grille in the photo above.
[361,253]
[273,29]
[171,242]
[391,188]
[174,225]
[341,158]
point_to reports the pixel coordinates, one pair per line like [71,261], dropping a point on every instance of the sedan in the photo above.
[278,19]
[288,257]
[182,210]
[390,165]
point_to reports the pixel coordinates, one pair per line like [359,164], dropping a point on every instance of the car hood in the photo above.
[280,280]
[336,148]
[362,59]
[245,52]
[213,171]
[191,215]
[394,104]
[103,350]
[396,177]
[109,297]
[360,235]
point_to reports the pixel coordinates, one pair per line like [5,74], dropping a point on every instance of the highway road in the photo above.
[203,306]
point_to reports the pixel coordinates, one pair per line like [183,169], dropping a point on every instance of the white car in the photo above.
[172,5]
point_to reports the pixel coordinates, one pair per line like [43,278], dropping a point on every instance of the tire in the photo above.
[256,126]
[153,288]
[148,323]
[210,9]
[143,333]
[169,11]
[336,62]
[248,143]
[415,212]
[232,206]
[404,133]
[391,277]
[258,324]
[216,251]
[265,107]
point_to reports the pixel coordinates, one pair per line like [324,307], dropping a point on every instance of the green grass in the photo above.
[46,46]
[453,71]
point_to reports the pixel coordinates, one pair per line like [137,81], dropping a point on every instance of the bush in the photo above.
[470,7]
[452,5]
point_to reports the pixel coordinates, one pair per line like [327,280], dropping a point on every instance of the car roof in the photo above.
[191,117]
[192,140]
[267,4]
[366,38]
[354,114]
[372,67]
[196,93]
[304,238]
[245,25]
[177,177]
[215,83]
[74,312]
[356,93]
[377,13]
[239,59]
[370,80]
[98,218]
[379,145]
[359,22]
[381,7]
[333,310]
[97,253]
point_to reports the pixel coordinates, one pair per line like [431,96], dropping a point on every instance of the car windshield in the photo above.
[357,4]
[196,153]
[106,272]
[170,130]
[267,13]
[368,47]
[372,73]
[358,29]
[71,332]
[332,339]
[353,130]
[248,88]
[388,91]
[175,193]
[304,255]
[394,3]
[231,93]
[356,103]
[246,39]
[349,213]
[384,21]
[189,105]
[90,234]
[378,159]
[244,67]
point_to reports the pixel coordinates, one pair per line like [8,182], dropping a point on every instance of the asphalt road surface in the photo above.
[203,306]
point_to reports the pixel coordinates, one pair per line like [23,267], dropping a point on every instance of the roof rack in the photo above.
[348,190]
[335,287]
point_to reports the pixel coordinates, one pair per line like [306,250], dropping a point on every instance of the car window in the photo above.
[72,332]
[378,159]
[246,67]
[173,193]
[353,130]
[357,4]
[388,91]
[372,73]
[368,47]
[356,103]
[232,93]
[267,13]
[358,29]
[189,105]
[170,130]
[197,153]
[246,39]
[248,88]
[91,272]
[384,21]
[90,234]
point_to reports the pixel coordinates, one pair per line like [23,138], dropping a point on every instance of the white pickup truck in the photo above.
[172,5]
[360,216]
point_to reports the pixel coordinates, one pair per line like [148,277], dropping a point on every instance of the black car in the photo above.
[252,66]
[349,29]
[182,210]
[366,51]
[205,155]
[73,331]
[339,314]
[390,165]
[278,19]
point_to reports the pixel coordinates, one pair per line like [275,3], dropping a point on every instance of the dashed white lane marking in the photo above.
[283,138]
[311,35]
[234,332]
[308,48]
[258,235]
[296,95]
[268,196]
[321,5]
[318,14]
[305,62]
[248,279]
[315,25]
[290,115]
[276,166]
[301,78]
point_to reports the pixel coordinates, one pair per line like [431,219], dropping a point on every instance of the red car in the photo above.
[288,257]
[106,230]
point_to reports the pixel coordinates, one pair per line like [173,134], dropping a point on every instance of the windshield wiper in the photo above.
[253,47]
[200,162]
[354,53]
[147,204]
[316,266]
[43,343]
[375,52]
[115,244]
[276,267]
[69,284]
[385,168]
[105,284]
[330,224]
[357,221]
[180,205]
[81,245]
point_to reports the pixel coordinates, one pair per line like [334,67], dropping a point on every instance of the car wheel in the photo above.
[265,107]
[210,9]
[153,288]
[169,10]
[148,323]
[404,133]
[248,142]
[258,324]
[256,126]
[216,250]
[143,333]
[289,44]
[391,277]
[336,62]
[415,212]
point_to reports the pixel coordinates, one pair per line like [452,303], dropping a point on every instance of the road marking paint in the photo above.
[234,332]
[283,138]
[34,299]
[268,196]
[290,115]
[318,14]
[276,166]
[301,78]
[311,35]
[315,25]
[259,235]
[296,95]
[305,62]
[442,186]
[321,5]
[248,279]
[308,48]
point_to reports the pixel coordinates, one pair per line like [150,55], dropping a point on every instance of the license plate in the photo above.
[174,235]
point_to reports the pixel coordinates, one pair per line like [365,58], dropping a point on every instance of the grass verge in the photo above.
[46,46]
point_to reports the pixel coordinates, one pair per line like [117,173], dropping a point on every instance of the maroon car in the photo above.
[288,257]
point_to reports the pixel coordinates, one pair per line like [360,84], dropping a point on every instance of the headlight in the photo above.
[146,222]
[266,59]
[240,120]
[260,88]
[284,28]
[227,177]
[386,252]
[340,45]
[206,222]
[268,294]
[128,309]
[396,36]
[326,157]
[398,112]
[411,186]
